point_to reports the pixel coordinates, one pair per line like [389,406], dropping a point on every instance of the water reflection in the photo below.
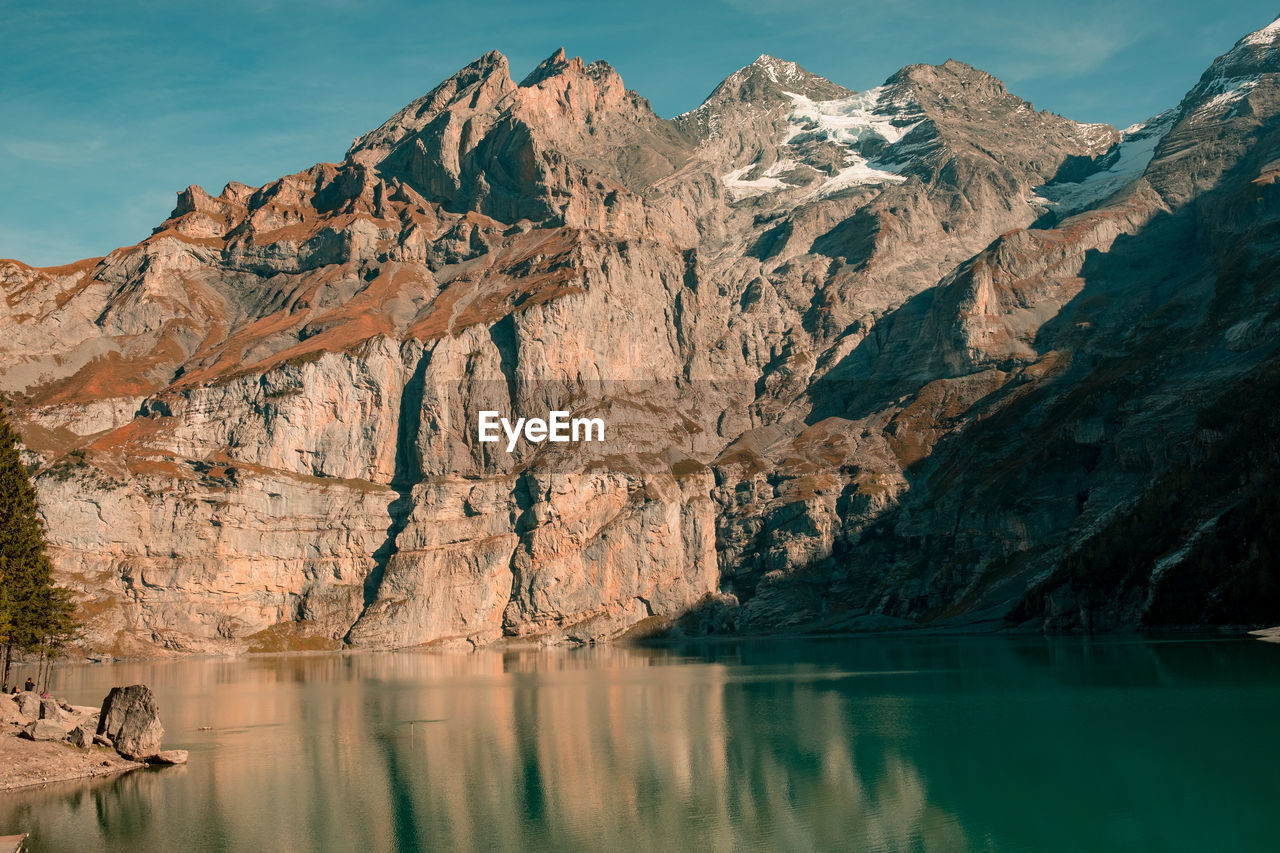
[864,744]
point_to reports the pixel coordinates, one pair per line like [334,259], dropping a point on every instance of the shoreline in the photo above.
[1234,632]
[45,741]
[29,764]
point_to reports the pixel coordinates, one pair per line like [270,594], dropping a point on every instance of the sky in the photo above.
[109,109]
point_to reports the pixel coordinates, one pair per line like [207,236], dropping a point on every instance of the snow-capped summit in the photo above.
[1265,36]
[778,70]
[1237,72]
[765,81]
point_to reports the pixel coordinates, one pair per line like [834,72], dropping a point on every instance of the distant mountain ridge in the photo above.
[916,356]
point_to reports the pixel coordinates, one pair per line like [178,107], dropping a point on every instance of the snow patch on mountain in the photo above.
[1229,92]
[741,187]
[877,117]
[858,171]
[1124,165]
[874,116]
[1264,36]
[778,70]
[1095,134]
[1236,73]
[848,121]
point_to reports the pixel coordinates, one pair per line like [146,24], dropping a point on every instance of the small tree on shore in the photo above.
[35,615]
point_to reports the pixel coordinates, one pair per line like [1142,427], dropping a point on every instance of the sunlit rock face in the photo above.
[914,355]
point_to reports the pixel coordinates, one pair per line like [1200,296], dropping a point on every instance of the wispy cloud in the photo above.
[56,153]
[1063,48]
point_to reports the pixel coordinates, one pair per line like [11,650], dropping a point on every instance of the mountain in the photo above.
[915,356]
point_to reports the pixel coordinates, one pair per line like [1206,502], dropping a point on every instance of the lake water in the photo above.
[850,744]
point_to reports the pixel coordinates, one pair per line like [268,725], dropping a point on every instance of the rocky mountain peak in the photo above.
[564,89]
[236,192]
[475,87]
[1220,119]
[1238,71]
[1258,52]
[952,88]
[1264,37]
[780,71]
[766,81]
[554,64]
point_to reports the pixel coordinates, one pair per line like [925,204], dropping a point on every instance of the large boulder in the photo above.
[29,704]
[43,730]
[51,710]
[169,756]
[131,719]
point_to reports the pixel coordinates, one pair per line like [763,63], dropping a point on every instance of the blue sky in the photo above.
[111,108]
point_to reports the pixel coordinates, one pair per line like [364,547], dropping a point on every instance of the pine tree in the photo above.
[35,615]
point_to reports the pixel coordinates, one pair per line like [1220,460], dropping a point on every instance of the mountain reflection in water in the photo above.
[863,744]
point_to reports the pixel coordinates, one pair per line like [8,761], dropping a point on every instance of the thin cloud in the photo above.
[56,153]
[1066,51]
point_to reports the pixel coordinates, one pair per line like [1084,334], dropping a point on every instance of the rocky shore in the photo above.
[45,740]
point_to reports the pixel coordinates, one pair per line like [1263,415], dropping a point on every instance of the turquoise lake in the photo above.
[939,743]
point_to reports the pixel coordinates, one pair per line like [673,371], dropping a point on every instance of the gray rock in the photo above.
[29,704]
[43,730]
[169,756]
[50,710]
[131,719]
[80,737]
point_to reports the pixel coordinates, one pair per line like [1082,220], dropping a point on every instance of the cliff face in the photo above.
[915,355]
